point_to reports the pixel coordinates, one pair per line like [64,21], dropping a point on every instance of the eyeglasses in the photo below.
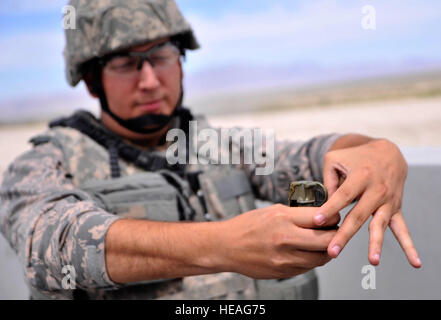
[129,64]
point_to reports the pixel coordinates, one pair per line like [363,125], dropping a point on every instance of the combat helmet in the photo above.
[104,27]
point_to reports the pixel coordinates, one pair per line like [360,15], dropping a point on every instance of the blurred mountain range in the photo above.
[233,78]
[241,88]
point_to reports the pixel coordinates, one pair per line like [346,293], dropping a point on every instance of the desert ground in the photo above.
[410,122]
[407,122]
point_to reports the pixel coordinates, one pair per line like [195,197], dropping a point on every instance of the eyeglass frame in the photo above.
[144,55]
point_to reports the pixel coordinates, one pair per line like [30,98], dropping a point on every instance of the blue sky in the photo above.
[278,32]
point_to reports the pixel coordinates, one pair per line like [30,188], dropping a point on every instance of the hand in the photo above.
[276,242]
[374,174]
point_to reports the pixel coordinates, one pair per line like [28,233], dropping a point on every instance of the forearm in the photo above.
[268,243]
[140,250]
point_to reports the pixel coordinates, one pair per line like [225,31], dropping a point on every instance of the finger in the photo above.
[331,179]
[401,233]
[304,217]
[309,239]
[306,259]
[332,224]
[343,197]
[354,220]
[377,227]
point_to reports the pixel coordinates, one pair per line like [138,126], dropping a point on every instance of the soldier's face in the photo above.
[150,92]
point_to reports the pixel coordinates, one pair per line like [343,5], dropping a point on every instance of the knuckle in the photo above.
[279,264]
[278,206]
[329,238]
[279,217]
[273,262]
[281,209]
[379,224]
[277,210]
[344,236]
[281,240]
[397,204]
[382,190]
[346,194]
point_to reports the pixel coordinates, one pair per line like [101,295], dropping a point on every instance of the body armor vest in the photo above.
[164,193]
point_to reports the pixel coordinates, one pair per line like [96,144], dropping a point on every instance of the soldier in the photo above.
[99,196]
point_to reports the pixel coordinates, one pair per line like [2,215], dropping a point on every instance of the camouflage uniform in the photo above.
[48,216]
[51,222]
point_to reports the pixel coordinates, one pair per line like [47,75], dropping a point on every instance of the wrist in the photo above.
[213,255]
[351,140]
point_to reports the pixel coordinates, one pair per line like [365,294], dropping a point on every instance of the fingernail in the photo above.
[418,261]
[377,257]
[336,250]
[319,219]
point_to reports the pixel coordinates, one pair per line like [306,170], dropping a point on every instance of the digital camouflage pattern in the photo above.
[108,26]
[51,222]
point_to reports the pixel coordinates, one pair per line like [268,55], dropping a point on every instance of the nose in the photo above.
[148,80]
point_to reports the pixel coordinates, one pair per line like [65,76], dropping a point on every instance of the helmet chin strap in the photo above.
[149,123]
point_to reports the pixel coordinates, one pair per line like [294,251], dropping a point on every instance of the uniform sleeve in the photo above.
[51,224]
[292,161]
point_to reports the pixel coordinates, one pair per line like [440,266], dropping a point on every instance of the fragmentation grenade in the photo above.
[307,194]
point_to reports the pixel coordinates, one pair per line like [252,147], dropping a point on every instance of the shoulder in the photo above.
[80,155]
[66,139]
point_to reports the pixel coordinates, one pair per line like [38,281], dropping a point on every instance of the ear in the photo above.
[88,80]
